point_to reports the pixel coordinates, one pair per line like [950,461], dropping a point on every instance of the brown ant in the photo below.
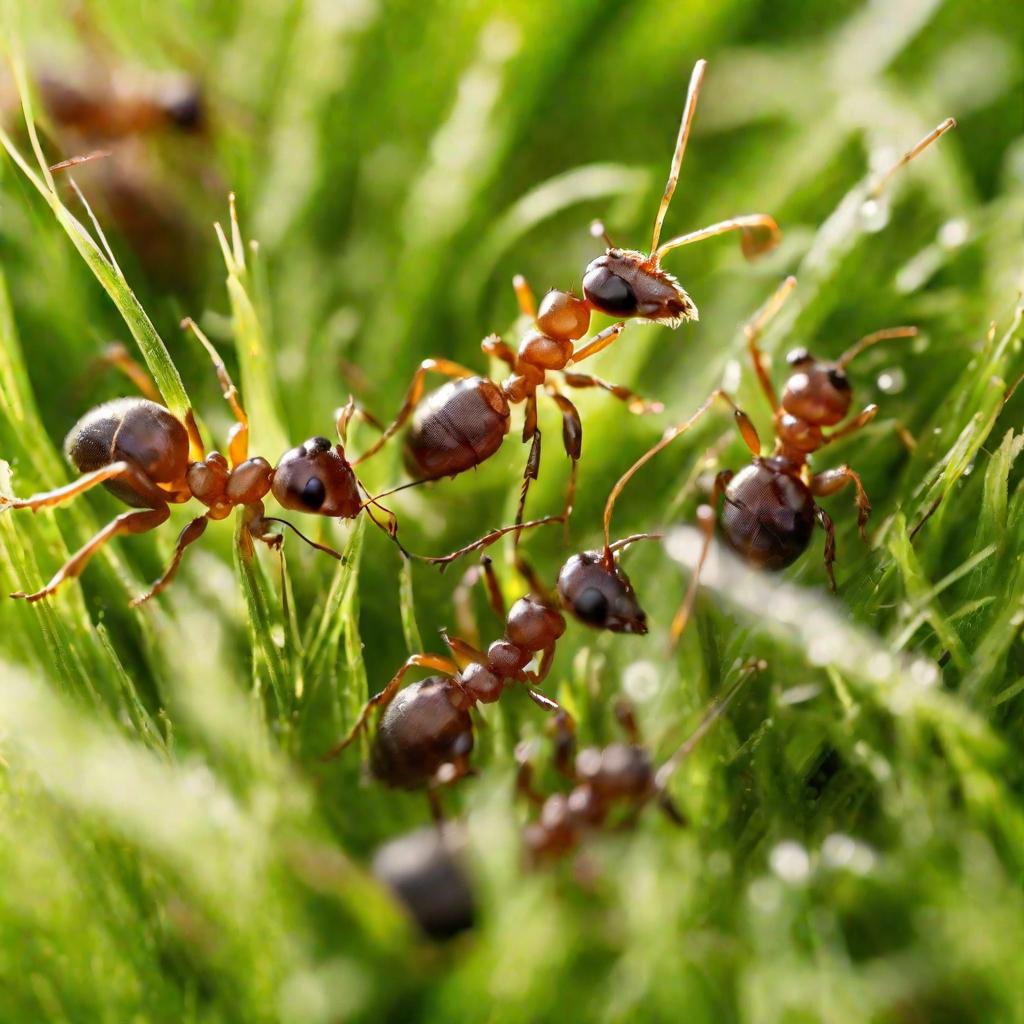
[143,455]
[769,509]
[463,423]
[605,780]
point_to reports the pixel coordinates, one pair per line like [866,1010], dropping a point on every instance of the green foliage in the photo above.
[172,847]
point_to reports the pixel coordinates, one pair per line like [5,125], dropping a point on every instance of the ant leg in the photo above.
[485,541]
[572,440]
[492,345]
[598,342]
[563,730]
[825,521]
[706,521]
[462,652]
[462,598]
[758,234]
[127,522]
[345,415]
[47,499]
[532,467]
[386,695]
[188,535]
[831,481]
[861,420]
[541,701]
[117,356]
[238,437]
[752,331]
[443,366]
[625,715]
[524,776]
[547,658]
[524,296]
[746,428]
[538,588]
[633,401]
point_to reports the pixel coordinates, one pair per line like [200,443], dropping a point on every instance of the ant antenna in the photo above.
[325,548]
[689,110]
[598,230]
[887,334]
[914,151]
[83,158]
[621,545]
[710,717]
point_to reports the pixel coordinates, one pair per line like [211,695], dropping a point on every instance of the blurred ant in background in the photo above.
[462,424]
[616,779]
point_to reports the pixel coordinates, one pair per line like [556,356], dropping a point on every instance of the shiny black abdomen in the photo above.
[767,516]
[133,430]
[455,428]
[420,731]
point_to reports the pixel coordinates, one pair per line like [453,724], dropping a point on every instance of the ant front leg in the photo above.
[597,343]
[462,652]
[117,356]
[637,405]
[446,368]
[493,346]
[382,699]
[831,481]
[344,416]
[825,521]
[189,535]
[861,420]
[752,331]
[462,598]
[127,522]
[572,440]
[524,775]
[532,467]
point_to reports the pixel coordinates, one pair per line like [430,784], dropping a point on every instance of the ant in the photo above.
[142,454]
[619,776]
[769,510]
[426,872]
[463,423]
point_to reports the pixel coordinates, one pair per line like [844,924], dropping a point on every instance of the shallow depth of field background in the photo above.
[171,850]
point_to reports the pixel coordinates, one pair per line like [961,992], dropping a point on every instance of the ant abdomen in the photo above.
[425,727]
[457,427]
[768,515]
[133,430]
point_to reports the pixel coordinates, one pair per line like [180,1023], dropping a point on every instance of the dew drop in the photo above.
[892,381]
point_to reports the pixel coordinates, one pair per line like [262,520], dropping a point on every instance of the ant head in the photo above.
[626,283]
[817,390]
[599,593]
[316,478]
[184,106]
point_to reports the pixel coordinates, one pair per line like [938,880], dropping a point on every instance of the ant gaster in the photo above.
[619,777]
[142,454]
[463,423]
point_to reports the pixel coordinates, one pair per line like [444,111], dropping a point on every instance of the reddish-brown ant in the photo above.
[619,777]
[143,455]
[463,423]
[769,509]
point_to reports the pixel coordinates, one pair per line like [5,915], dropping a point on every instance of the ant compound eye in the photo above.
[314,493]
[838,379]
[608,292]
[592,606]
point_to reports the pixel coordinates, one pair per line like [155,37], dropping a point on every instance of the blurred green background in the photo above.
[173,851]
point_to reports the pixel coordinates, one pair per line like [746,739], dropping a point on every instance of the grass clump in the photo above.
[173,850]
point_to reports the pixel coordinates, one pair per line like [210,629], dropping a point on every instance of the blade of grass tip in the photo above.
[259,378]
[153,350]
[407,609]
[266,630]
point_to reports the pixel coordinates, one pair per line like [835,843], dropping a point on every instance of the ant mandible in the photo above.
[463,423]
[605,780]
[142,454]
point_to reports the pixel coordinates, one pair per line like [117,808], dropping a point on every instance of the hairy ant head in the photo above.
[316,478]
[626,283]
[600,594]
